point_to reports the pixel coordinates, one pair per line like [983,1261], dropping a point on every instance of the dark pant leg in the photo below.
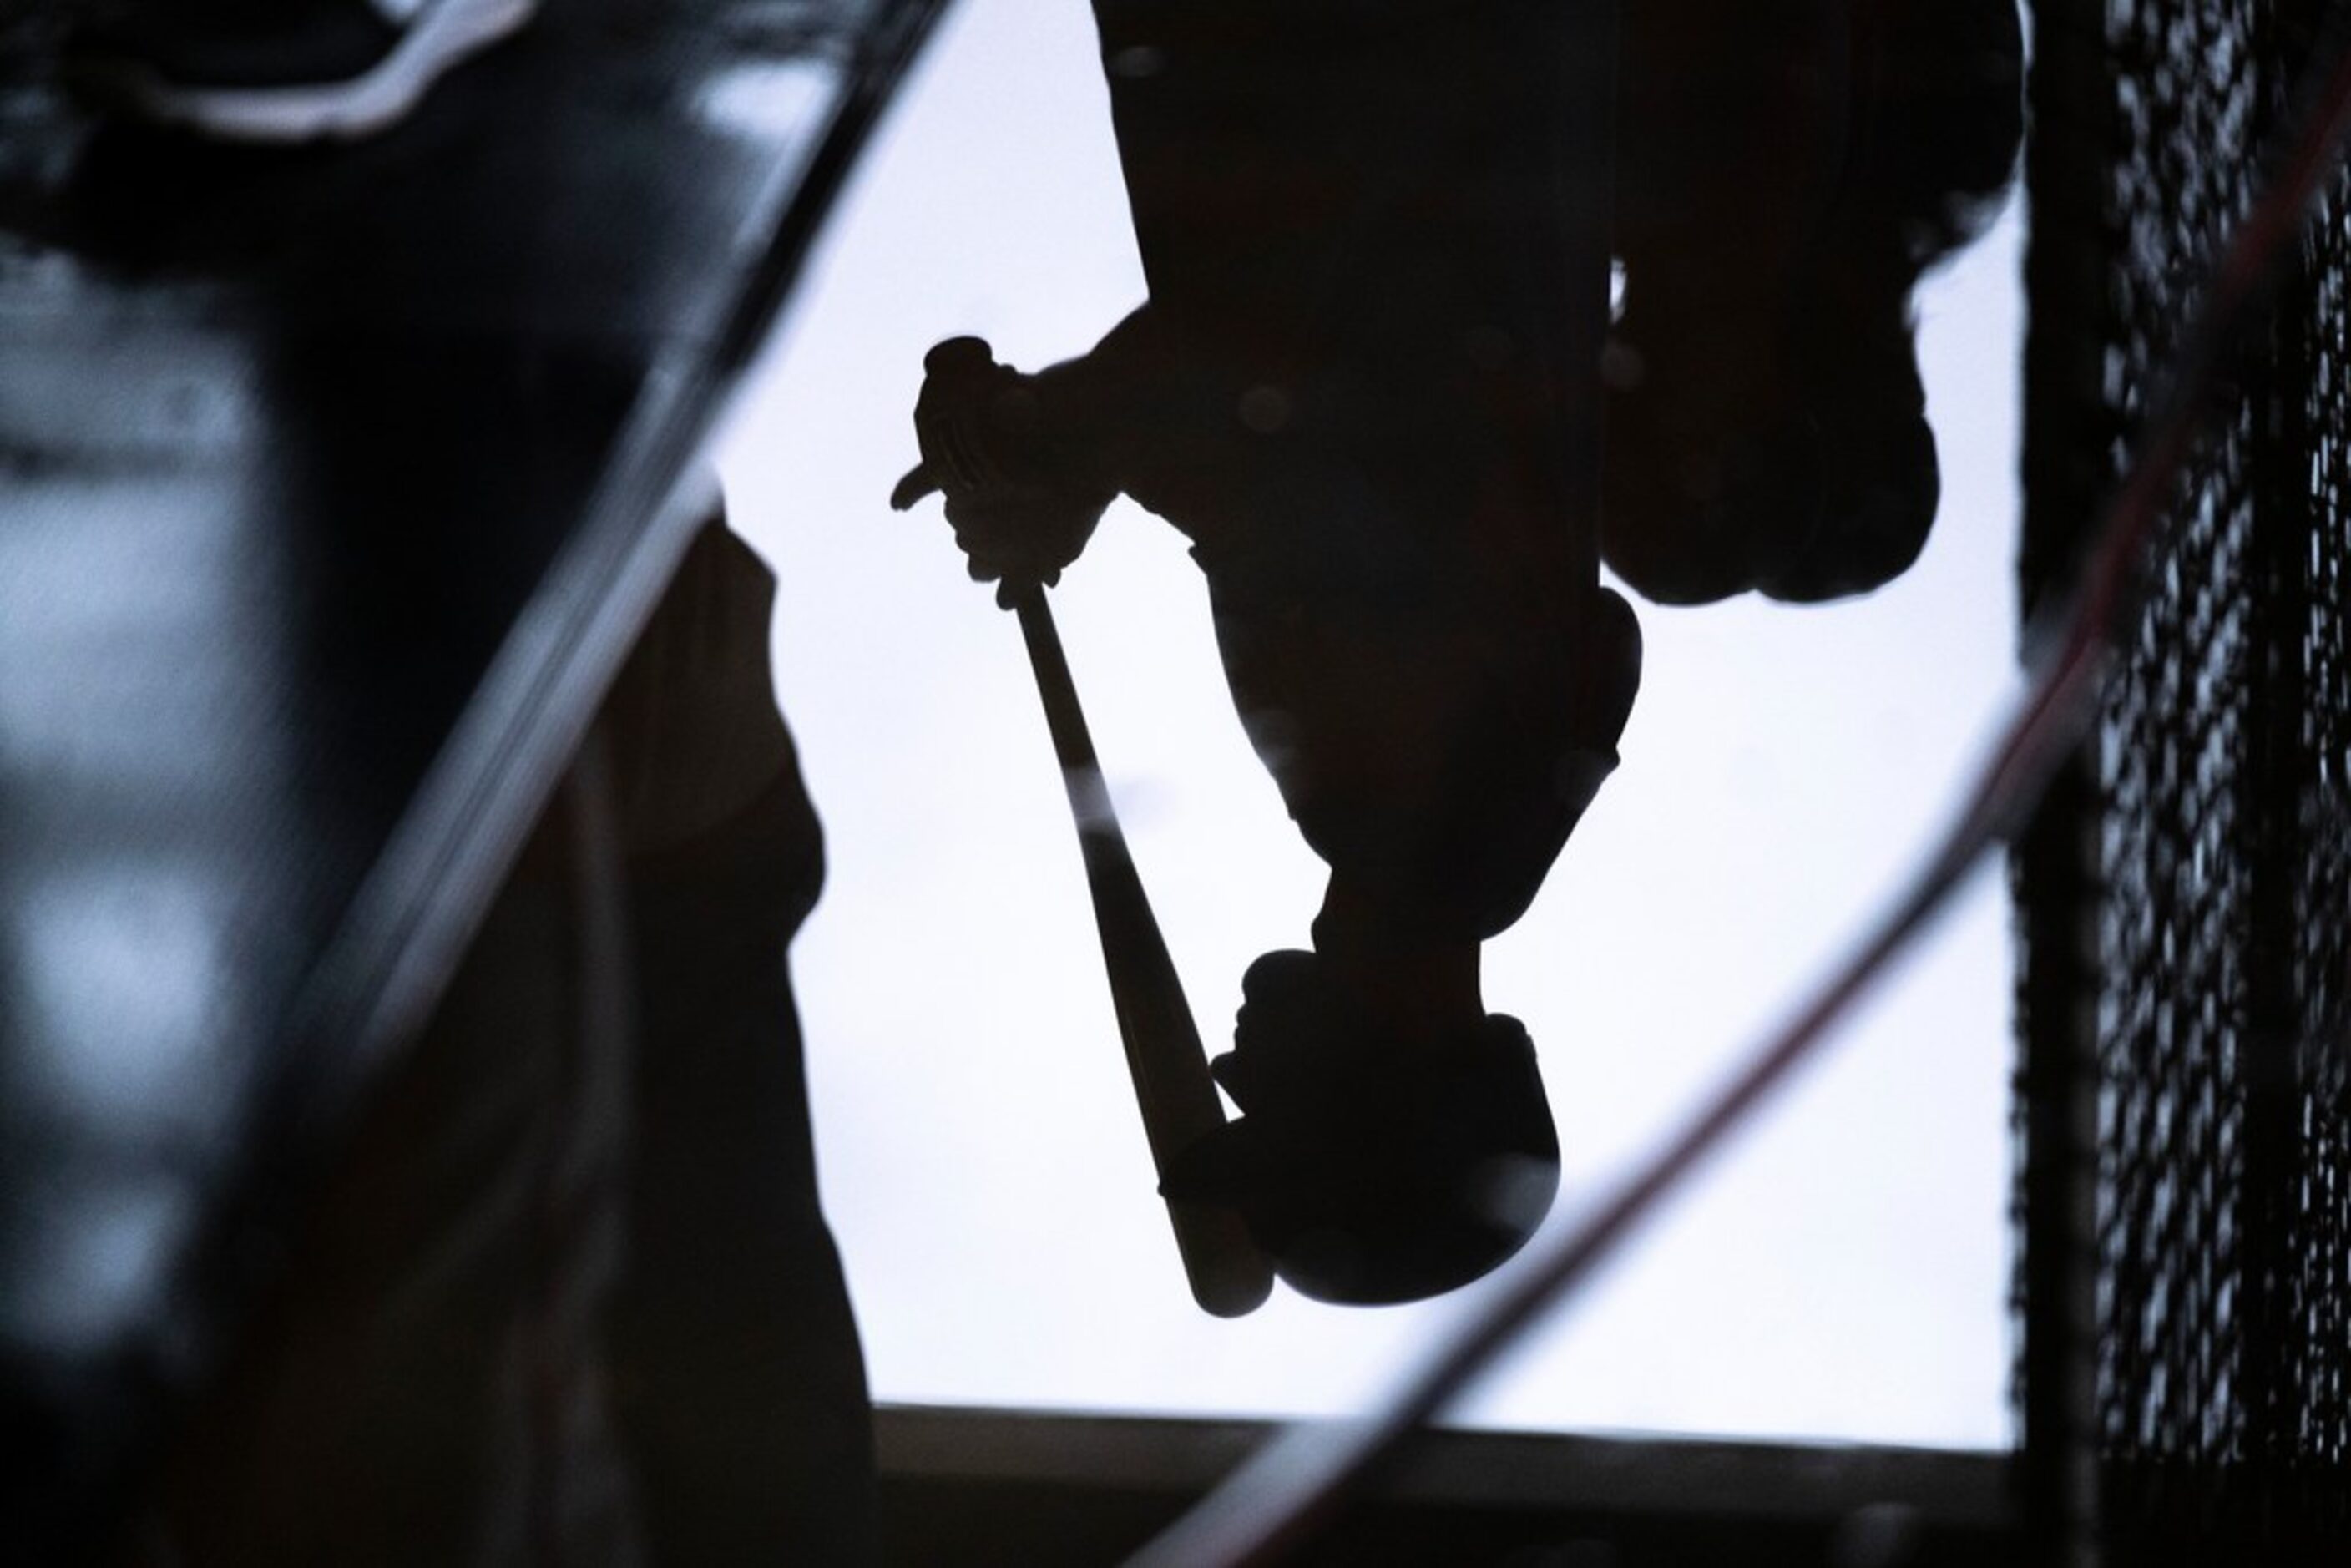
[571,1256]
[741,1391]
[424,1380]
[743,1401]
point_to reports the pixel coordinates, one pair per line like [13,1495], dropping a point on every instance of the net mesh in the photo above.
[2219,834]
[2314,810]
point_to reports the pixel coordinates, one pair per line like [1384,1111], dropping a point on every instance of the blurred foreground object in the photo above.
[339,484]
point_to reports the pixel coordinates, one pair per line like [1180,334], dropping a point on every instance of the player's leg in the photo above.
[1937,127]
[424,1379]
[739,1386]
[1733,135]
[1766,424]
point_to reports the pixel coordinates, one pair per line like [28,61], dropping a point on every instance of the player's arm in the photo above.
[1027,462]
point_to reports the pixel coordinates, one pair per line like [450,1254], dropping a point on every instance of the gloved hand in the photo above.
[1023,497]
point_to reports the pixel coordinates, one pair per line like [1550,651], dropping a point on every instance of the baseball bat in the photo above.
[1228,1274]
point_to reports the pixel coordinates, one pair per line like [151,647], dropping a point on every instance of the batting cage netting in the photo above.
[2185,1106]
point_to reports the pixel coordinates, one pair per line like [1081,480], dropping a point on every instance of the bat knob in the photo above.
[1229,1274]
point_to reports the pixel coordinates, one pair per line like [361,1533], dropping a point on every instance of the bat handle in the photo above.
[1228,1274]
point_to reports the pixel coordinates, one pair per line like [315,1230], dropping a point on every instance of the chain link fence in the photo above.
[2186,1123]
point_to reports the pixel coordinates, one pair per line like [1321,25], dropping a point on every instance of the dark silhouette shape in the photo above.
[1362,388]
[1787,173]
[1353,390]
[567,1291]
[358,458]
[1435,757]
[1228,1273]
[1375,1166]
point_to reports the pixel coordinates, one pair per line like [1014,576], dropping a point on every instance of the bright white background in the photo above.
[1840,1272]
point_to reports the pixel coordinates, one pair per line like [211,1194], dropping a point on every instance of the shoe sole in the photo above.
[444,37]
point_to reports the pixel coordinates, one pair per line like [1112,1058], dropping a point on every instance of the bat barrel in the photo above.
[1228,1274]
